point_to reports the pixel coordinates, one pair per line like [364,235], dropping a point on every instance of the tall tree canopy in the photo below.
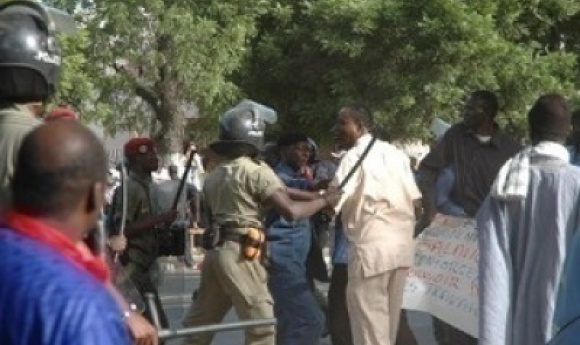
[409,61]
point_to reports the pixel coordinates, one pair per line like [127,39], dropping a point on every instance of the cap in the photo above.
[137,146]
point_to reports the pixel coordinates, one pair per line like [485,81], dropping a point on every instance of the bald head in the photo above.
[58,166]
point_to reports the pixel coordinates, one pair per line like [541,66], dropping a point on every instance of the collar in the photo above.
[283,167]
[363,140]
[496,136]
[20,112]
[54,239]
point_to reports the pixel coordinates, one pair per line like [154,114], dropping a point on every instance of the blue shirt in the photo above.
[574,156]
[289,240]
[340,252]
[443,188]
[47,300]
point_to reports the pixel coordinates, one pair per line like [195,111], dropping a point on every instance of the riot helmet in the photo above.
[29,53]
[241,129]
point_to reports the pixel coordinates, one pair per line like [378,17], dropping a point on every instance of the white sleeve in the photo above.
[345,166]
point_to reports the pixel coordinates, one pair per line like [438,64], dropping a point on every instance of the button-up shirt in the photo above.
[476,164]
[377,207]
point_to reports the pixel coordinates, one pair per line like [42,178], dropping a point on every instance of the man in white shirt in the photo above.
[378,214]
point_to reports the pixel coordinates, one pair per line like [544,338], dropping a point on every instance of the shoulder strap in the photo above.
[357,164]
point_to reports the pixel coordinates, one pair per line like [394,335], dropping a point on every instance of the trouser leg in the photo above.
[338,321]
[374,305]
[210,302]
[300,318]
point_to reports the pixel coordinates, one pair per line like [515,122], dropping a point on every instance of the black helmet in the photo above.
[29,53]
[241,130]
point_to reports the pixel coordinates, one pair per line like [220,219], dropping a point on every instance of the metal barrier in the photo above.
[184,332]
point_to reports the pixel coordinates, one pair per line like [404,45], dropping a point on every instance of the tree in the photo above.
[409,60]
[151,59]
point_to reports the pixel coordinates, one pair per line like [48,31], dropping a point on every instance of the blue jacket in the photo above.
[46,299]
[289,240]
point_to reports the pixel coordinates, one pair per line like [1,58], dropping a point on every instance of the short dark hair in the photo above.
[488,101]
[50,185]
[550,118]
[291,139]
[360,113]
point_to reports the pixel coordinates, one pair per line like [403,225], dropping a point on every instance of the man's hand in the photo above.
[142,331]
[118,243]
[332,196]
[322,184]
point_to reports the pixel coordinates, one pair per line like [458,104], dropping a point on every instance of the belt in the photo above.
[232,237]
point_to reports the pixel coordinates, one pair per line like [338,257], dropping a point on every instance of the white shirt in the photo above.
[377,207]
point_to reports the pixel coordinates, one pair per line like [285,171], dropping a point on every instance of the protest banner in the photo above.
[443,281]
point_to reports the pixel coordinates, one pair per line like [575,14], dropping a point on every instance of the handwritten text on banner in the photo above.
[444,279]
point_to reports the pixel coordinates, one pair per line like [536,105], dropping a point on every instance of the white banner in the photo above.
[444,279]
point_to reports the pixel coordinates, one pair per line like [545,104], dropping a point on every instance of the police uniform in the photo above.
[140,255]
[234,193]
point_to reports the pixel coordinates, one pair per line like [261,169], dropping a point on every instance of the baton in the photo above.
[183,178]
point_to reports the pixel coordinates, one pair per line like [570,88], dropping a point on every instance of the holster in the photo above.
[211,238]
[253,244]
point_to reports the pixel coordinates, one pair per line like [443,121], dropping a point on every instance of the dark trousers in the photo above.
[446,334]
[145,285]
[405,335]
[338,322]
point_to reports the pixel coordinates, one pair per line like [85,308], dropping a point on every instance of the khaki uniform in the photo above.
[15,123]
[379,219]
[234,193]
[141,253]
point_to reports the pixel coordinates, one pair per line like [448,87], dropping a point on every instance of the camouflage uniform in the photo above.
[141,253]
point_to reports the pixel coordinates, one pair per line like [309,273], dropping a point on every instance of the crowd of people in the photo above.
[76,243]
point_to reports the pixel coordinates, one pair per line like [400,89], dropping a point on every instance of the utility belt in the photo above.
[252,243]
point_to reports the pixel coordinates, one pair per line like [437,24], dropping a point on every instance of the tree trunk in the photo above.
[169,138]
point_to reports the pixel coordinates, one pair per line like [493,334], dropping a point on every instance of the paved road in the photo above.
[176,289]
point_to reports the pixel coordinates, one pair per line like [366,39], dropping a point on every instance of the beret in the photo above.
[137,146]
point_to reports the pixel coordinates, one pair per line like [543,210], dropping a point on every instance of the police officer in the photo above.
[143,221]
[29,71]
[236,194]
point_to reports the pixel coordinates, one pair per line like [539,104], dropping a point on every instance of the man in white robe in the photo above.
[524,226]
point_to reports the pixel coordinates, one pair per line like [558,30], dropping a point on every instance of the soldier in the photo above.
[236,193]
[142,221]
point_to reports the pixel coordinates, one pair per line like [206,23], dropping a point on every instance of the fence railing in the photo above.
[185,332]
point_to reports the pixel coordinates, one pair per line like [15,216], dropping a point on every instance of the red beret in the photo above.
[61,113]
[138,146]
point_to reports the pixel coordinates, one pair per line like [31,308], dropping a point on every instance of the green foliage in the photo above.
[409,61]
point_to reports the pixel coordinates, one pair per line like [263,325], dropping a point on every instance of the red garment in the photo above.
[61,113]
[53,238]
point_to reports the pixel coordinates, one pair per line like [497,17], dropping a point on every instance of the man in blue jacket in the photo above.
[51,290]
[300,319]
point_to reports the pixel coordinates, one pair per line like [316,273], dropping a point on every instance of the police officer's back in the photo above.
[236,193]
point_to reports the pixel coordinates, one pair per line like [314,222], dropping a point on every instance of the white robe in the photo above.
[522,246]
